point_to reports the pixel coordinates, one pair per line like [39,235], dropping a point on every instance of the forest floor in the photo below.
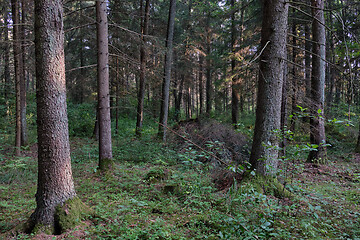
[161,192]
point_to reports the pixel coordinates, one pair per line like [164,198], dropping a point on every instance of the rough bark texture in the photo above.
[55,182]
[264,152]
[105,146]
[164,111]
[317,121]
[143,57]
[18,71]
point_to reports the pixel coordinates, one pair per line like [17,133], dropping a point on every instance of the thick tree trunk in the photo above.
[18,71]
[105,145]
[317,120]
[55,182]
[264,152]
[164,111]
[143,57]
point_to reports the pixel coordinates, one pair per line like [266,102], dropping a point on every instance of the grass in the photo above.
[152,194]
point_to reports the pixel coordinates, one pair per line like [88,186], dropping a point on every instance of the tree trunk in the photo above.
[105,146]
[55,182]
[235,97]
[143,57]
[24,135]
[317,121]
[208,68]
[7,77]
[307,64]
[164,111]
[178,98]
[294,79]
[18,71]
[201,91]
[284,114]
[264,152]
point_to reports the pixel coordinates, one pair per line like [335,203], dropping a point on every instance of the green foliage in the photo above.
[81,119]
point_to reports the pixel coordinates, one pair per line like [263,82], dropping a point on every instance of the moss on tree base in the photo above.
[69,214]
[269,185]
[106,164]
[66,216]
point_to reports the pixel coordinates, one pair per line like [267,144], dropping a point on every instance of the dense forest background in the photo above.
[185,85]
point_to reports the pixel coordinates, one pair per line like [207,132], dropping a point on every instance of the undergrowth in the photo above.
[157,193]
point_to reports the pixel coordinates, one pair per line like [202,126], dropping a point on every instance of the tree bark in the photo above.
[208,67]
[55,182]
[7,77]
[18,71]
[235,96]
[164,111]
[317,120]
[24,135]
[143,57]
[201,91]
[307,64]
[264,152]
[105,145]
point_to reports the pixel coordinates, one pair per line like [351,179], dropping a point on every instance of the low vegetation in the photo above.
[174,192]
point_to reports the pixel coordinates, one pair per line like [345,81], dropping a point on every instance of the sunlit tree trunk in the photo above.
[164,111]
[317,119]
[105,145]
[264,152]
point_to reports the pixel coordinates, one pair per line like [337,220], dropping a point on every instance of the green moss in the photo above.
[106,164]
[156,174]
[69,214]
[268,185]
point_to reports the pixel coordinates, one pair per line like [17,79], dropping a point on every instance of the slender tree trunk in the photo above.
[317,120]
[201,91]
[264,152]
[117,96]
[164,111]
[235,96]
[179,97]
[307,64]
[55,182]
[284,116]
[24,135]
[7,77]
[208,67]
[105,145]
[294,79]
[142,80]
[18,71]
